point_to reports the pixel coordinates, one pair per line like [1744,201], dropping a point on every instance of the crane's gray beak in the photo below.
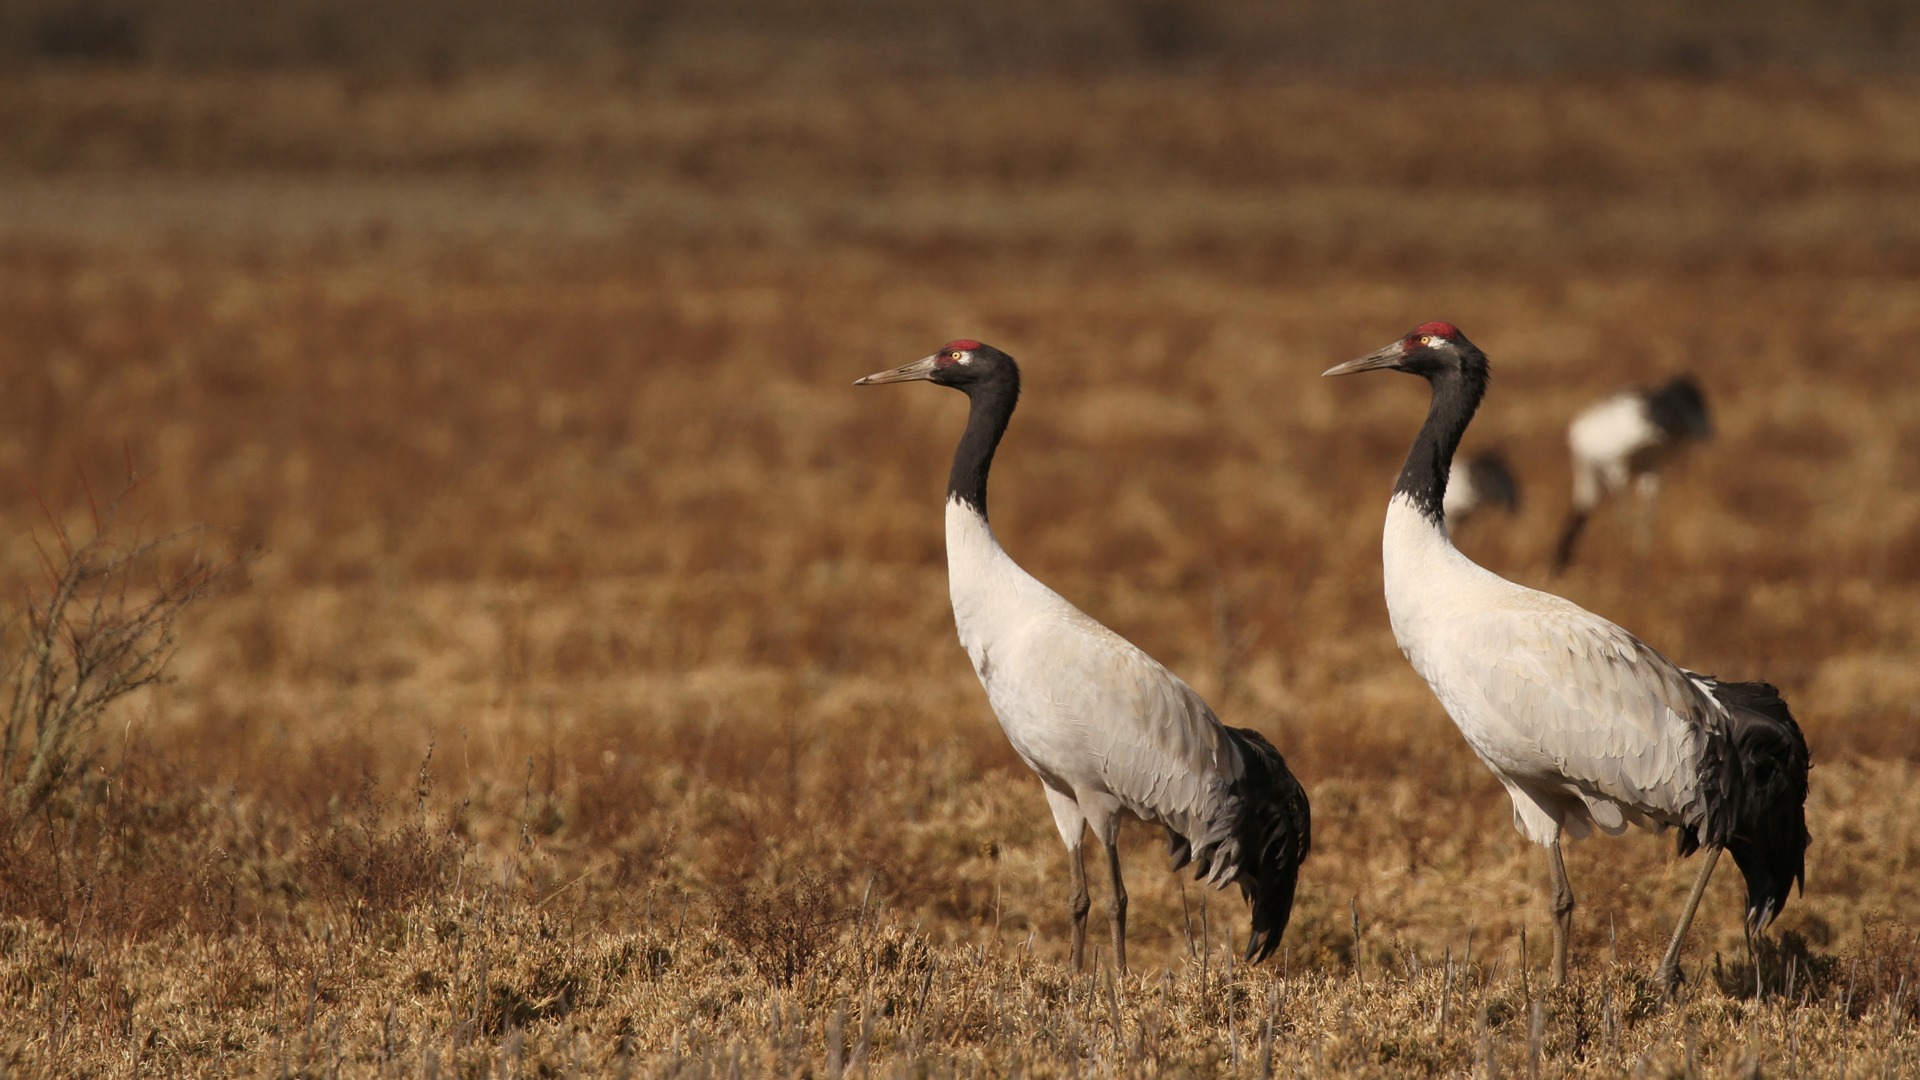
[1388,357]
[919,369]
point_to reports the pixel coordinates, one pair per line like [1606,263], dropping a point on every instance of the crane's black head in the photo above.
[1457,371]
[1680,409]
[964,364]
[1433,351]
[991,381]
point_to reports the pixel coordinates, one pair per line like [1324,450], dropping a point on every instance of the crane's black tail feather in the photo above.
[1755,777]
[1275,830]
[1267,838]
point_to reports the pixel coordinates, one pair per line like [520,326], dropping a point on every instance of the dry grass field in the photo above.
[587,700]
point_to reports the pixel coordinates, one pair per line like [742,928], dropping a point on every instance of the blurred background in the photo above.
[513,341]
[446,38]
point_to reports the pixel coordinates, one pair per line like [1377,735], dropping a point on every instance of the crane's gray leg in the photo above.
[1668,975]
[1588,483]
[1562,911]
[1077,906]
[1072,823]
[1117,903]
[1646,492]
[1569,535]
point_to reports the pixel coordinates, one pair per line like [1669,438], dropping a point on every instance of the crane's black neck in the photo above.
[993,400]
[1423,479]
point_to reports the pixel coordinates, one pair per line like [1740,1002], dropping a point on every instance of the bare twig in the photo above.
[102,628]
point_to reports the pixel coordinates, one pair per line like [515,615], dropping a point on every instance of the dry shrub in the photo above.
[127,857]
[1883,972]
[101,628]
[371,867]
[784,926]
[81,841]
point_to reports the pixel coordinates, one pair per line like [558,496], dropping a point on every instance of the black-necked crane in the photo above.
[1626,439]
[1583,723]
[1105,727]
[1481,481]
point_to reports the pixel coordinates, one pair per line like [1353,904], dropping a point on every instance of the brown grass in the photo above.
[594,703]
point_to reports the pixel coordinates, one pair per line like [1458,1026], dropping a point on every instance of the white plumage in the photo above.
[1584,724]
[1105,727]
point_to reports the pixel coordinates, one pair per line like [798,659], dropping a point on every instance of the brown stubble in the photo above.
[600,627]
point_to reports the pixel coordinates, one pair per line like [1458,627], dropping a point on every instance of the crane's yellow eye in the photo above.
[1426,341]
[954,355]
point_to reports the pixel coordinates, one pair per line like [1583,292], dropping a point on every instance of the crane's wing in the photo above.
[1117,727]
[1149,738]
[1565,697]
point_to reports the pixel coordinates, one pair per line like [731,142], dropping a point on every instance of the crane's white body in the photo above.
[1104,726]
[1614,442]
[1582,722]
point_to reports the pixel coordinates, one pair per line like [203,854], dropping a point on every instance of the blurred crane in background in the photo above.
[1479,482]
[1628,438]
